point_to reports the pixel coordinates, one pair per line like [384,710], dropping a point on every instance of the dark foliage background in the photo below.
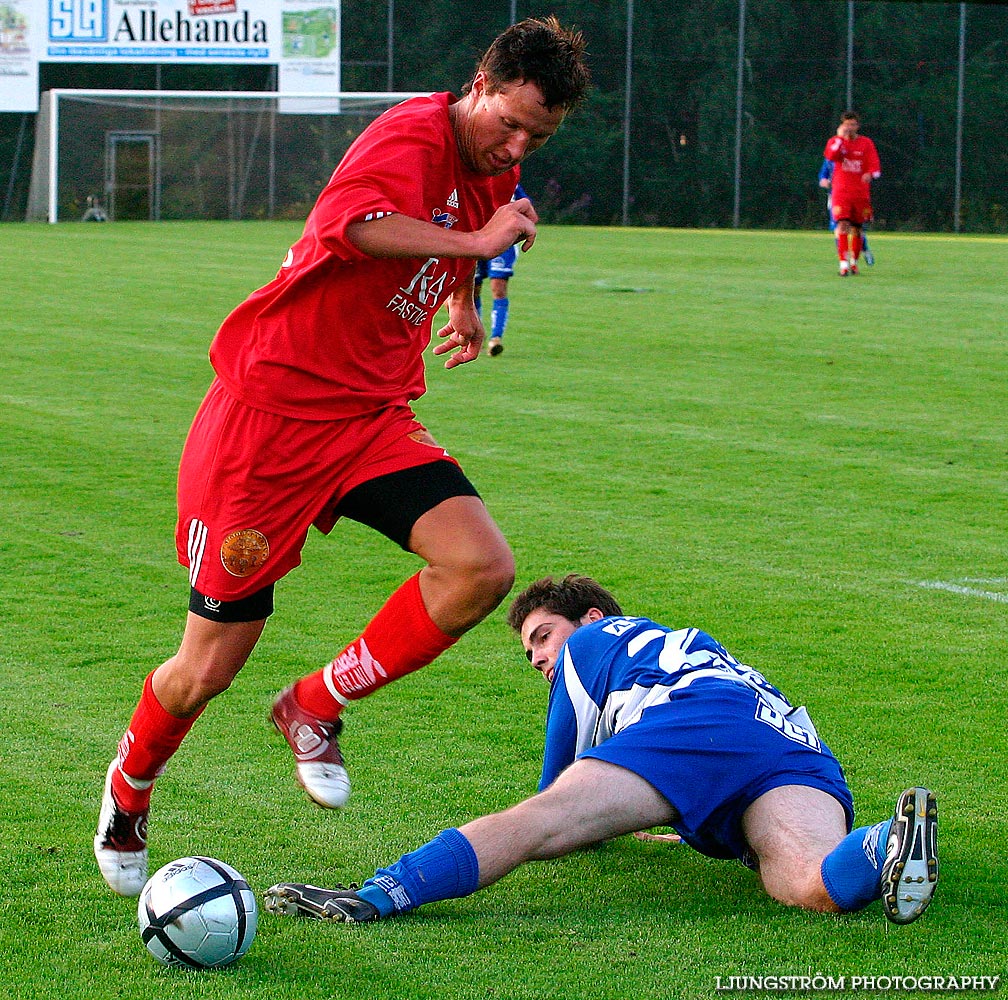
[683,105]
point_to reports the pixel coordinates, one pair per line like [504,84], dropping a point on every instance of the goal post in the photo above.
[169,154]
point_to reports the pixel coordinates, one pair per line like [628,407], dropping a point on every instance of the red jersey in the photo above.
[338,333]
[853,158]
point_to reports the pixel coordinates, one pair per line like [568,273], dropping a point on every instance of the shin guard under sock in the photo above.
[399,639]
[444,868]
[851,872]
[151,739]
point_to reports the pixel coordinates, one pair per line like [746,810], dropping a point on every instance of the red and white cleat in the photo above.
[320,769]
[120,845]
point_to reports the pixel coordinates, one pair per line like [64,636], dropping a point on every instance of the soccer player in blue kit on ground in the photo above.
[651,726]
[500,270]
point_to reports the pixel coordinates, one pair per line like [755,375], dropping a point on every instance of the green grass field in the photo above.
[712,423]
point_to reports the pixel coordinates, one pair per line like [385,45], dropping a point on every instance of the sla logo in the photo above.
[78,20]
[445,219]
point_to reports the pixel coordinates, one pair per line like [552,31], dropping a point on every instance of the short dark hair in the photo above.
[849,115]
[571,597]
[540,51]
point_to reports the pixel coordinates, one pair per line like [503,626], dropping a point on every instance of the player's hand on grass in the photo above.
[664,838]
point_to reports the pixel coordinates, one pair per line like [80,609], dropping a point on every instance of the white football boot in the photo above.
[120,845]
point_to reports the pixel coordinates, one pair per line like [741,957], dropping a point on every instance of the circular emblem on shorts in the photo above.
[243,552]
[423,436]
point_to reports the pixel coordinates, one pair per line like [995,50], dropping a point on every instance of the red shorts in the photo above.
[856,210]
[252,483]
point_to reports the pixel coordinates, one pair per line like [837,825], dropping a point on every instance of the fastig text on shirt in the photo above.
[415,301]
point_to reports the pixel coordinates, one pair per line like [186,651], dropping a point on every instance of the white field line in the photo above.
[971,591]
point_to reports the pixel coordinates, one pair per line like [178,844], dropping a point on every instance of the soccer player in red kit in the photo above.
[856,165]
[309,419]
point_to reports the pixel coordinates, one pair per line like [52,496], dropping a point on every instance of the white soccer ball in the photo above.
[197,913]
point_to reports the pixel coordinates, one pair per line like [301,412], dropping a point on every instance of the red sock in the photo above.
[842,243]
[856,248]
[151,739]
[399,639]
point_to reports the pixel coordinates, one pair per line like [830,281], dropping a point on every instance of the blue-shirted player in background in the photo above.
[500,270]
[649,726]
[826,181]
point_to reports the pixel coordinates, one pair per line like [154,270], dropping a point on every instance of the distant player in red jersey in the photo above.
[309,420]
[856,165]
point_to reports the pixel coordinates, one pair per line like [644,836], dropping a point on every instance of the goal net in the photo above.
[153,154]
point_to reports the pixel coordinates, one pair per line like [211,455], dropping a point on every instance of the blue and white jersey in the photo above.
[501,266]
[611,671]
[826,174]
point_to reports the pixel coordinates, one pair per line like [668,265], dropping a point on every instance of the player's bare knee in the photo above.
[205,685]
[214,679]
[498,575]
[799,884]
[185,686]
[486,577]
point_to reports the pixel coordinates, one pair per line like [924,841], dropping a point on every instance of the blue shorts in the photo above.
[499,267]
[709,752]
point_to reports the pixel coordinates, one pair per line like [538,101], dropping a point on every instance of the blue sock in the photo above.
[500,317]
[851,871]
[477,301]
[444,868]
